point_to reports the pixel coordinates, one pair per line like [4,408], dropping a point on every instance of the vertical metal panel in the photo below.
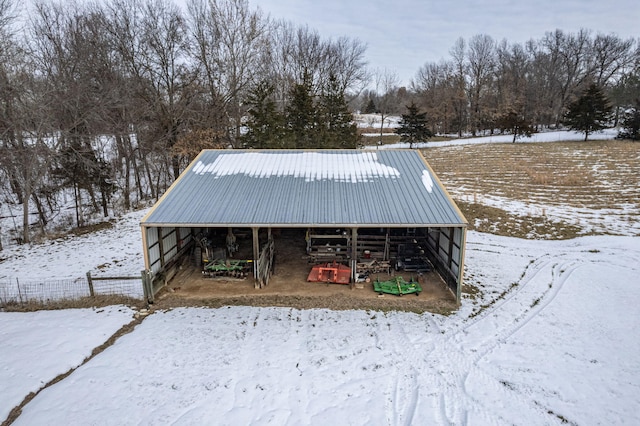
[169,243]
[153,248]
[152,236]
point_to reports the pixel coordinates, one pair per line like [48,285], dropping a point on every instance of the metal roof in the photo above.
[306,188]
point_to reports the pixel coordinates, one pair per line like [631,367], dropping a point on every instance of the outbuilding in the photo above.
[351,206]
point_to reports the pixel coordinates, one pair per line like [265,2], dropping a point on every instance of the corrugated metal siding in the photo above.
[153,249]
[316,188]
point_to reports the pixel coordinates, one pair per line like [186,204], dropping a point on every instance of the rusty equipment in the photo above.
[332,272]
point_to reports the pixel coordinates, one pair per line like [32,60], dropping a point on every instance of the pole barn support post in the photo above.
[354,254]
[463,245]
[160,232]
[256,256]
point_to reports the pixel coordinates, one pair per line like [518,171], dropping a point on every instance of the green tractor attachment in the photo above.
[397,286]
[228,268]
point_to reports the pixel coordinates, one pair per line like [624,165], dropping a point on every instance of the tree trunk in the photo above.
[123,154]
[381,127]
[25,215]
[105,207]
[136,169]
[78,205]
[148,172]
[127,184]
[41,216]
[175,164]
[15,187]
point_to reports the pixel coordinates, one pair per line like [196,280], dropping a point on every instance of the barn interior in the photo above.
[361,263]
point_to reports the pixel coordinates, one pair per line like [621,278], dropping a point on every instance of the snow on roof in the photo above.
[312,166]
[306,188]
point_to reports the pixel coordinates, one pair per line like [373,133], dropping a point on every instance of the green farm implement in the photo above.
[397,286]
[228,268]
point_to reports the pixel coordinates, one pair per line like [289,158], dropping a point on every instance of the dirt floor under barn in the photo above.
[288,287]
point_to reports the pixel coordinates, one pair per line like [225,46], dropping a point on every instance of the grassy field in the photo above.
[545,190]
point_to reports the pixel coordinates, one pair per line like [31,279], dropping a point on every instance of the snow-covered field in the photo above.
[550,339]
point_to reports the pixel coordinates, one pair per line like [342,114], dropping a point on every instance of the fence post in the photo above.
[145,290]
[19,292]
[147,286]
[90,281]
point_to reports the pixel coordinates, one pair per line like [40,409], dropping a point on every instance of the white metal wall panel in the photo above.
[169,244]
[152,236]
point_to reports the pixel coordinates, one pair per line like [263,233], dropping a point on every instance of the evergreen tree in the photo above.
[370,108]
[631,124]
[300,116]
[590,112]
[413,126]
[515,123]
[264,124]
[78,167]
[337,128]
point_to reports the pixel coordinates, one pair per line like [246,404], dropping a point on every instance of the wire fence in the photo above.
[20,292]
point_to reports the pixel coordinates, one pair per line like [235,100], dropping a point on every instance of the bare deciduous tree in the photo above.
[386,83]
[229,44]
[481,62]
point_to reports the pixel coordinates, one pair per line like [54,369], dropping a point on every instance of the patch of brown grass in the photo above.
[62,233]
[500,222]
[92,228]
[84,302]
[595,175]
[337,302]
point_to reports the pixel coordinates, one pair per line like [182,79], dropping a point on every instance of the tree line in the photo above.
[114,99]
[107,103]
[487,83]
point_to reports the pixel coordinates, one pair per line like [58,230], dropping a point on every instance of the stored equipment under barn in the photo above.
[358,212]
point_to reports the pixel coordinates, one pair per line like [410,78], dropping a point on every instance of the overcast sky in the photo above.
[402,35]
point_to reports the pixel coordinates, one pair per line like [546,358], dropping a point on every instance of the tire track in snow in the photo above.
[423,364]
[456,402]
[401,396]
[459,404]
[560,273]
[520,286]
[463,362]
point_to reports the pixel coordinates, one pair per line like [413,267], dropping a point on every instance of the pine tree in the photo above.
[413,126]
[515,123]
[337,128]
[631,124]
[300,116]
[370,108]
[590,113]
[264,124]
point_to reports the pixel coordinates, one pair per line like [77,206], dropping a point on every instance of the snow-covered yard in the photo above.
[38,346]
[550,338]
